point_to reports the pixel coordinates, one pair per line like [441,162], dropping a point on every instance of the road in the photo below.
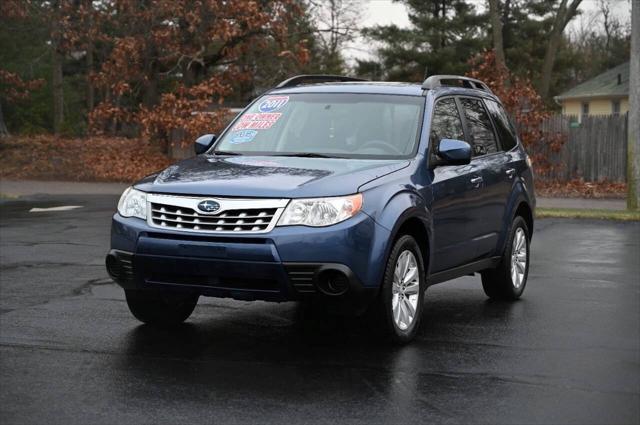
[70,352]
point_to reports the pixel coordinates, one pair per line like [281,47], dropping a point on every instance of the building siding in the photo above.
[596,106]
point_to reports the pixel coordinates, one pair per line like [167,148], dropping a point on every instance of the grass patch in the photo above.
[620,215]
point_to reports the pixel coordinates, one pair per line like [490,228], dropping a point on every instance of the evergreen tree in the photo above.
[442,37]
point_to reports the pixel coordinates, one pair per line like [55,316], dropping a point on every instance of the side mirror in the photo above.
[454,152]
[203,143]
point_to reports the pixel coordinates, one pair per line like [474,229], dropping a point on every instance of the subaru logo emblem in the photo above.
[209,206]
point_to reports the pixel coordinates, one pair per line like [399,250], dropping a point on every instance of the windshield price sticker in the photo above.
[273,103]
[257,121]
[242,136]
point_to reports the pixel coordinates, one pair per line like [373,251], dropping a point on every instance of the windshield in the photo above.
[327,125]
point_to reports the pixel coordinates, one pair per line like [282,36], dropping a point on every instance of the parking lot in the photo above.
[70,352]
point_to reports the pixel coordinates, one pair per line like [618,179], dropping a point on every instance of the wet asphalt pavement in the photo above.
[70,352]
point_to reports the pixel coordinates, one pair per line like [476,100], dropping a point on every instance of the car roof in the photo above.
[380,87]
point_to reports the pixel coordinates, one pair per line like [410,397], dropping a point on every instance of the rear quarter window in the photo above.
[506,131]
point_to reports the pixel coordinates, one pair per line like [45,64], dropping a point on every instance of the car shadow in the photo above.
[295,336]
[289,358]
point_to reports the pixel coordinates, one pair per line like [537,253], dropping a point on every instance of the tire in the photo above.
[162,308]
[396,301]
[508,280]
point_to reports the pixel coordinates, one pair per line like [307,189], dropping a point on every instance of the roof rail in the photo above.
[471,83]
[299,80]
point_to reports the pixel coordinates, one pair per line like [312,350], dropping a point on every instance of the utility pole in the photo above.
[633,148]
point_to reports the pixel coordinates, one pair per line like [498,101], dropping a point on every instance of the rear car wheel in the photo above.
[402,294]
[160,307]
[508,280]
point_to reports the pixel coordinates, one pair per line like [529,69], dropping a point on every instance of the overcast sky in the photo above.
[385,12]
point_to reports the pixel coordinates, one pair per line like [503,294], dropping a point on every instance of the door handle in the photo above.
[476,181]
[511,172]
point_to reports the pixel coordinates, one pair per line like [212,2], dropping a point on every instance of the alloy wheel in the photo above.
[518,258]
[405,290]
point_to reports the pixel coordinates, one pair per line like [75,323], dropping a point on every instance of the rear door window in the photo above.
[507,133]
[483,140]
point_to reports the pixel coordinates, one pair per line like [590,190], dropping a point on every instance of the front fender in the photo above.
[400,207]
[406,204]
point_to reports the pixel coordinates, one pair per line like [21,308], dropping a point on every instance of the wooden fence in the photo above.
[594,149]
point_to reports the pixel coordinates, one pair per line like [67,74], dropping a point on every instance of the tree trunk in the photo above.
[443,35]
[57,90]
[88,4]
[90,88]
[496,26]
[633,151]
[563,16]
[4,131]
[56,68]
[150,95]
[506,12]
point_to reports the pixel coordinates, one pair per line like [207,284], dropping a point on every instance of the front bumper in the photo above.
[343,261]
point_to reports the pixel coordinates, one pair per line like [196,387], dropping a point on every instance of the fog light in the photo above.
[332,282]
[113,267]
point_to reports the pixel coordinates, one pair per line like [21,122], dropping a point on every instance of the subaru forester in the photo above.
[358,195]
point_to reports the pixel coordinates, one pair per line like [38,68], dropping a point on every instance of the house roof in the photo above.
[603,85]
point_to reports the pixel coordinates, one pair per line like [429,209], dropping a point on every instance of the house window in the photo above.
[585,108]
[615,107]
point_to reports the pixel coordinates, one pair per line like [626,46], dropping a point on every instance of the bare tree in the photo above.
[613,28]
[565,12]
[606,17]
[336,21]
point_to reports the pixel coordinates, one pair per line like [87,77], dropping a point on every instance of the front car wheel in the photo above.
[402,294]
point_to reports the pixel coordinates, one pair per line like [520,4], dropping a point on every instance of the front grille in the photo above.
[228,221]
[233,216]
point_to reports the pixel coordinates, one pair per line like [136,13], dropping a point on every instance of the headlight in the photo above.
[319,212]
[133,203]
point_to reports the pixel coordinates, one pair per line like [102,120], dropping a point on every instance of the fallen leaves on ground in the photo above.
[91,159]
[580,189]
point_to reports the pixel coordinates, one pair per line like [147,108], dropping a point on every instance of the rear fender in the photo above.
[519,195]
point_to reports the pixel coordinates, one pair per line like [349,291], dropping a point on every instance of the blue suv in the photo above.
[351,194]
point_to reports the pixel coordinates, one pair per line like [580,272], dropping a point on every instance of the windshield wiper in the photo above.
[307,155]
[226,153]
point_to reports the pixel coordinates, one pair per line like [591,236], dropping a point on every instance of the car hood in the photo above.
[268,176]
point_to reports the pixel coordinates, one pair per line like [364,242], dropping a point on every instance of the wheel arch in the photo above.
[414,220]
[414,226]
[519,203]
[524,210]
